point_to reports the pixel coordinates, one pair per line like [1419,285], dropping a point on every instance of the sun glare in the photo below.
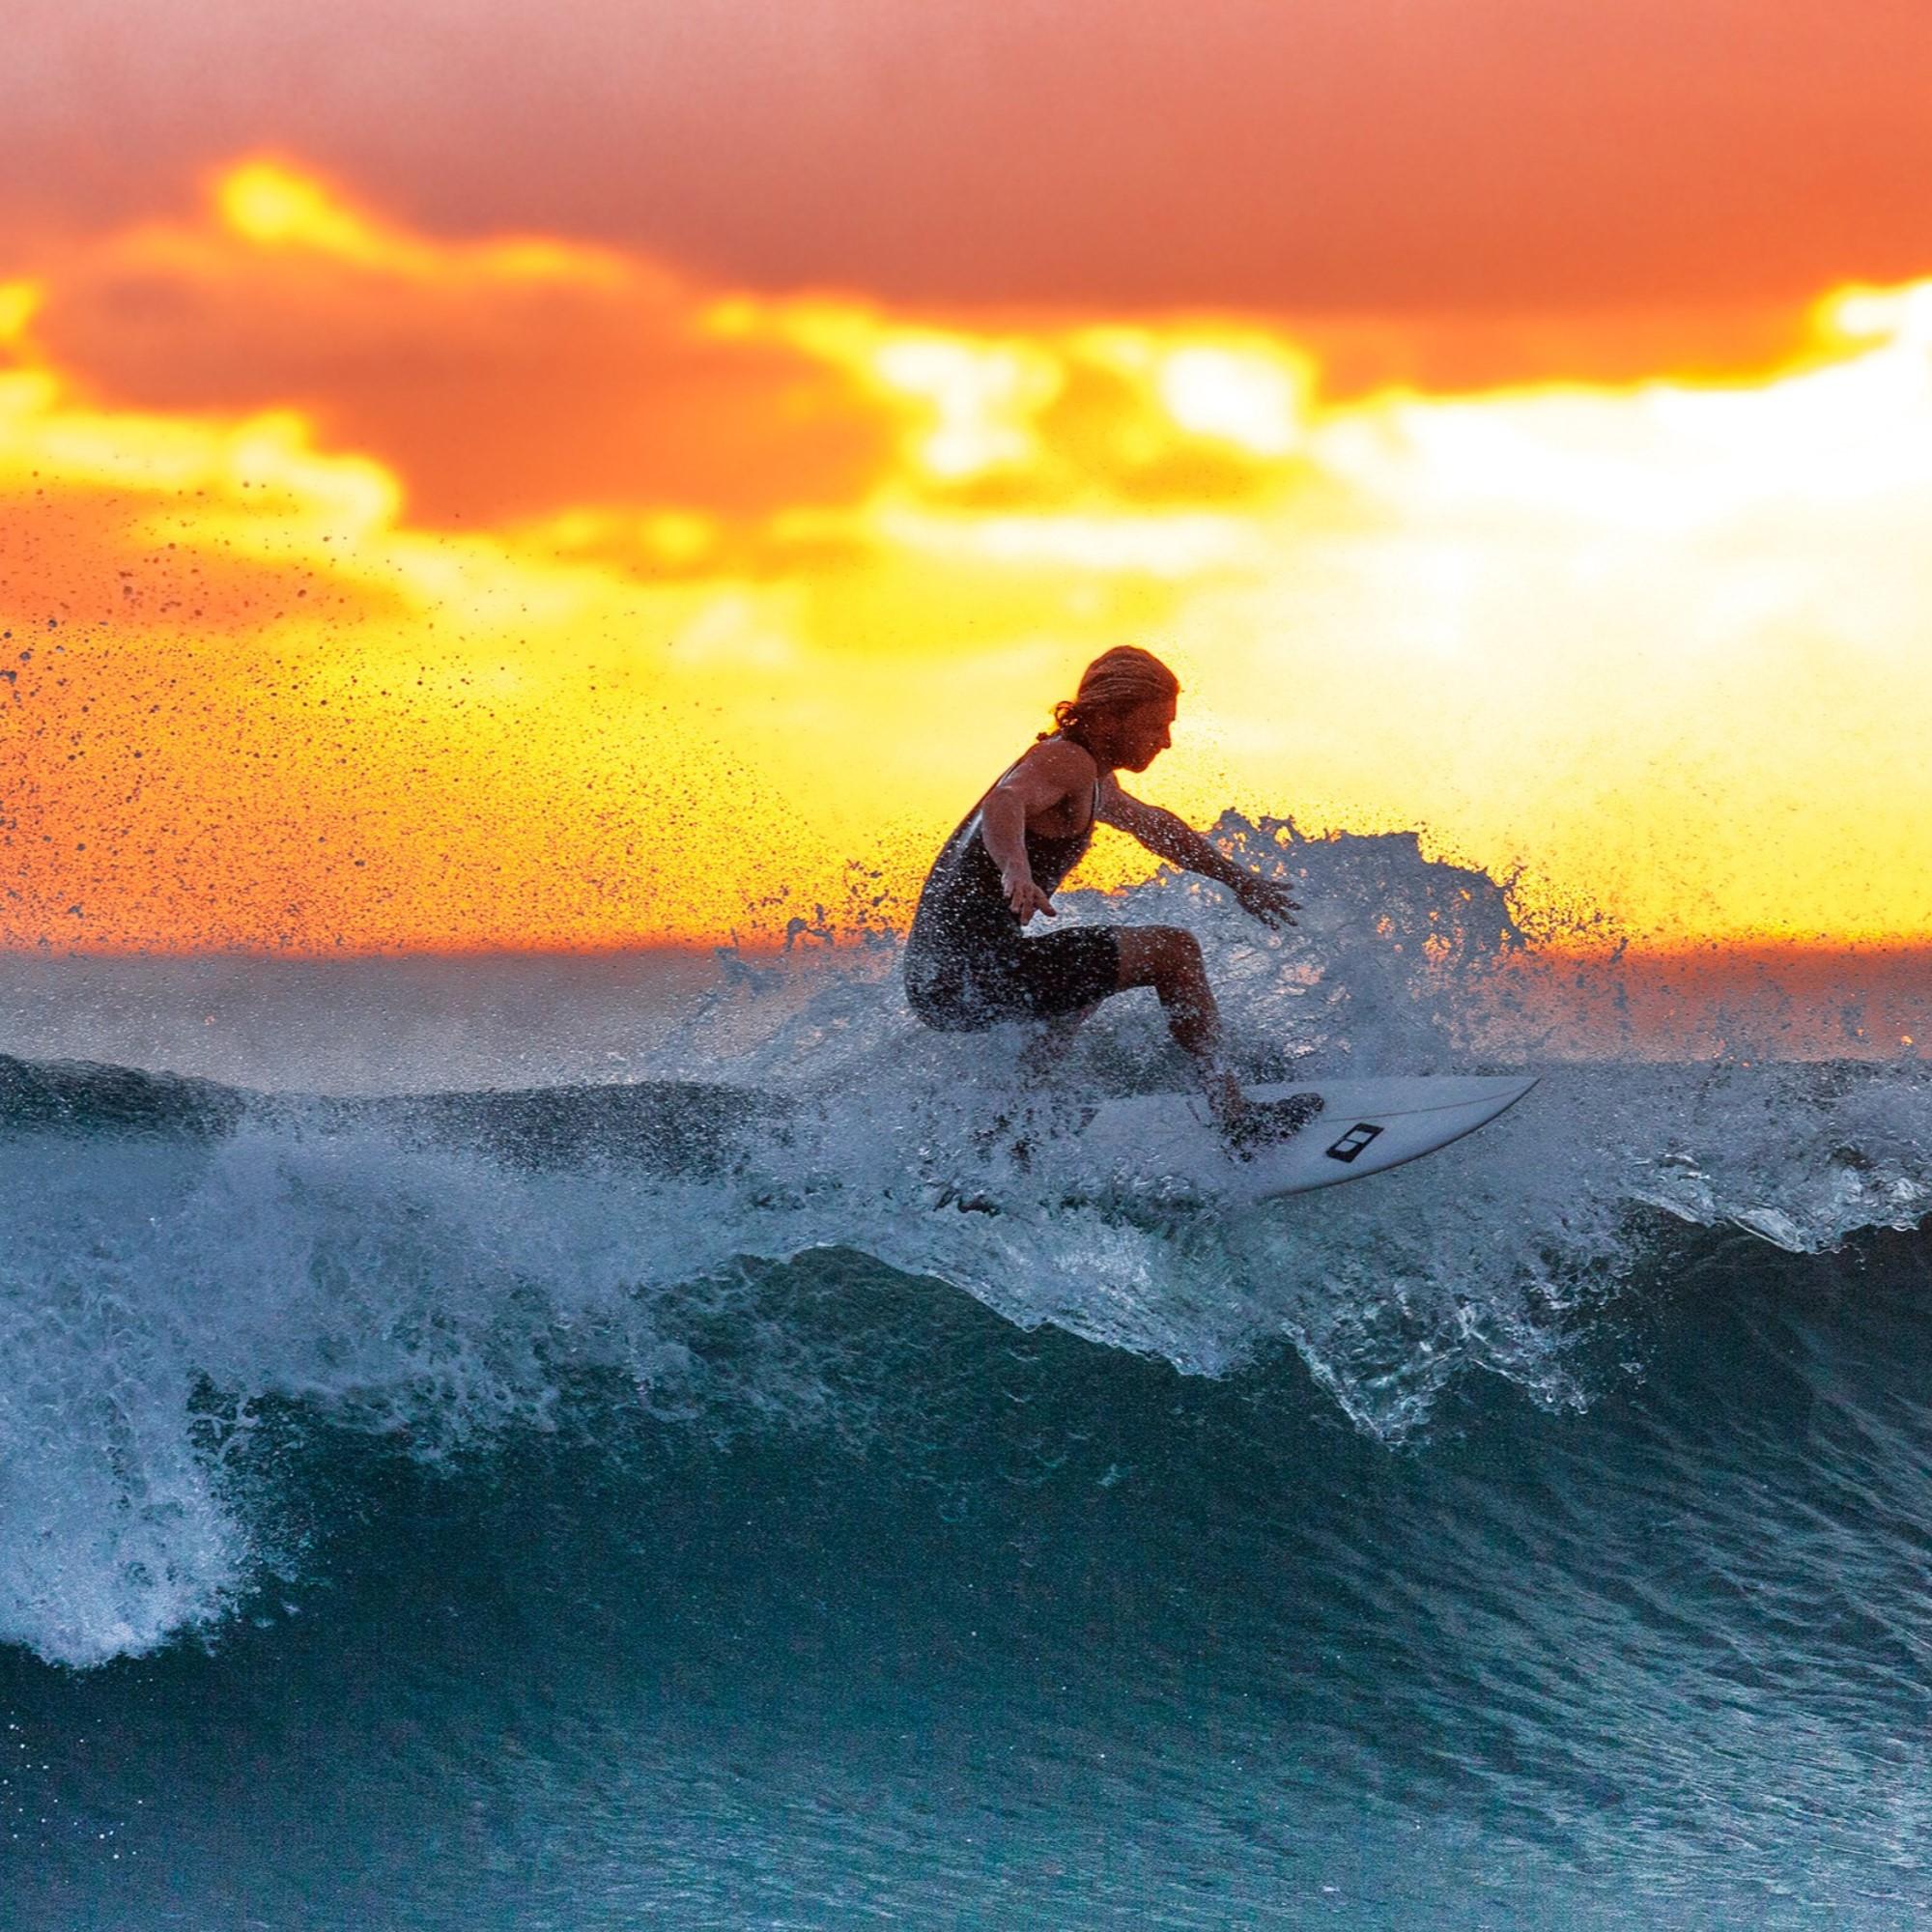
[1654,648]
[273,205]
[1248,396]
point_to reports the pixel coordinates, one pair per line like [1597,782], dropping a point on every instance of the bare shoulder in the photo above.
[1057,764]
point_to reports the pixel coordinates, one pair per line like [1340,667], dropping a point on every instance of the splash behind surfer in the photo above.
[968,963]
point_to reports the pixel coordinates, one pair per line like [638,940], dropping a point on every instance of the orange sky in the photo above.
[435,510]
[1418,157]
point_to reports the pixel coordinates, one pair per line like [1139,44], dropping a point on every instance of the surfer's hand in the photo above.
[1267,901]
[1024,896]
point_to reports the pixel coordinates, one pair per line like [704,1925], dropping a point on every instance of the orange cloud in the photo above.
[496,380]
[778,583]
[1443,158]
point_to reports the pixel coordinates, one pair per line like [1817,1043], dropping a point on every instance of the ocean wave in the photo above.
[442,1269]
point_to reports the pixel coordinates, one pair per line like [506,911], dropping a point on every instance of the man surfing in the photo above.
[968,963]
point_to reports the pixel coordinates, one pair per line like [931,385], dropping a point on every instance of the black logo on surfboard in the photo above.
[1355,1141]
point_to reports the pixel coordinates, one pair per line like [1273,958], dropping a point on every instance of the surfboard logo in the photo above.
[1355,1141]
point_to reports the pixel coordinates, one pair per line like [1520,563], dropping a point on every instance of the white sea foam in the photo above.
[440,1293]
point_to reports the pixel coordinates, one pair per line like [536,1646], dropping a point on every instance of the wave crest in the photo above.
[439,1267]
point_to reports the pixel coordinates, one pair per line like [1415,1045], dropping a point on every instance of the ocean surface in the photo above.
[581,1444]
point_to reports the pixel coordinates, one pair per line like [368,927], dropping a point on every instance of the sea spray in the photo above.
[440,1270]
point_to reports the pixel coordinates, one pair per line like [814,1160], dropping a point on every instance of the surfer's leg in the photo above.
[1062,977]
[1168,958]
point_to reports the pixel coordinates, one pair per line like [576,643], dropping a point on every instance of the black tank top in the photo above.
[962,912]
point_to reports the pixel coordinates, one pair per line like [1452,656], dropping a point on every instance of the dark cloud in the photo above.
[494,395]
[1388,155]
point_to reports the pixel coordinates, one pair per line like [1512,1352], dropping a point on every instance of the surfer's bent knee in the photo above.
[1152,953]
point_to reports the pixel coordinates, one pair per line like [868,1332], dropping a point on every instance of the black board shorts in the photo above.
[1040,979]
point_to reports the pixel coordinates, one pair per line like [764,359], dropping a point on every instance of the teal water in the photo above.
[474,1455]
[1035,1631]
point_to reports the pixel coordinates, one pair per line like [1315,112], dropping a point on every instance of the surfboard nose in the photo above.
[1326,1132]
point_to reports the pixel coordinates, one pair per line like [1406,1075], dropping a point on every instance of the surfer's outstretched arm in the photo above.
[1176,841]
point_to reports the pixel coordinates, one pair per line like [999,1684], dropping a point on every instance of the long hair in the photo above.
[1116,680]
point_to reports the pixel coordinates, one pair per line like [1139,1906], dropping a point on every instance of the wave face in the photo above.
[680,1492]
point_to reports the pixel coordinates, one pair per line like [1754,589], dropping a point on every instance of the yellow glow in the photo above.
[1246,396]
[1173,546]
[24,393]
[270,204]
[168,456]
[537,261]
[679,537]
[1661,645]
[1902,315]
[977,400]
[982,398]
[18,302]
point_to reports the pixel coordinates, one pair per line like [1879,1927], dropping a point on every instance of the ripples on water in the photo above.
[748,1499]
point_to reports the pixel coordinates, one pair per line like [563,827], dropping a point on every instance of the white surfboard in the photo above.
[1365,1126]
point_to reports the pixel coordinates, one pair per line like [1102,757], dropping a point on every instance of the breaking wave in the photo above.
[185,1259]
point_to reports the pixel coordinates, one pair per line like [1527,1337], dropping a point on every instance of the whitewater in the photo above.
[556,1443]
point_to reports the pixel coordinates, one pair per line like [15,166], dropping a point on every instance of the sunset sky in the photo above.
[488,474]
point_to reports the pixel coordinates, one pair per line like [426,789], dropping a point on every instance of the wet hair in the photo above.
[1116,680]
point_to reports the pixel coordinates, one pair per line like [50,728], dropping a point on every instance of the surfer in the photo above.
[968,964]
